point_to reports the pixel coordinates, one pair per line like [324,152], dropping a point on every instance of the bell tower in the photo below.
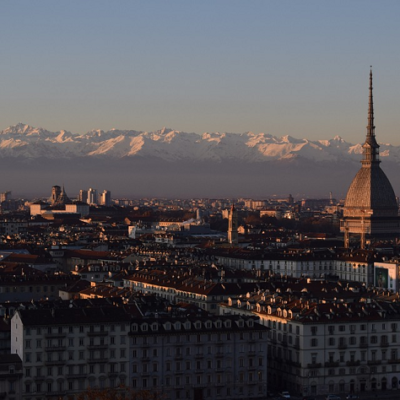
[233,226]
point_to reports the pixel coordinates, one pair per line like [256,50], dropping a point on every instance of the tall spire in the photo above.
[370,127]
[371,147]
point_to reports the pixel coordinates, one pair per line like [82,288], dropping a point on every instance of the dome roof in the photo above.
[371,191]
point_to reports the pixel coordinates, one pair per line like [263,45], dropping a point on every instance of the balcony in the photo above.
[331,364]
[374,362]
[55,335]
[97,346]
[363,345]
[77,376]
[394,361]
[55,362]
[99,333]
[55,348]
[384,344]
[294,364]
[314,365]
[97,360]
[342,346]
[57,393]
[353,363]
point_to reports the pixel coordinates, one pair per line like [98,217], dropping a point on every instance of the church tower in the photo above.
[370,208]
[233,226]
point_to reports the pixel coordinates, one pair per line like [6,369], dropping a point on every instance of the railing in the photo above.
[55,362]
[331,364]
[97,346]
[55,348]
[99,333]
[374,362]
[97,360]
[314,365]
[55,335]
[353,363]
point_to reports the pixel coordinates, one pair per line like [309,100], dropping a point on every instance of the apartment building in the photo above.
[354,266]
[348,343]
[66,350]
[199,357]
[182,287]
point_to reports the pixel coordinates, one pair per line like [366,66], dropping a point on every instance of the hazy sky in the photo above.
[281,67]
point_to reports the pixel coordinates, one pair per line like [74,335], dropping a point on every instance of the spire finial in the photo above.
[370,127]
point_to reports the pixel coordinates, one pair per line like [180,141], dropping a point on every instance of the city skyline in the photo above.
[278,68]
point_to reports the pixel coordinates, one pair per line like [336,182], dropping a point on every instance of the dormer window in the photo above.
[167,326]
[177,326]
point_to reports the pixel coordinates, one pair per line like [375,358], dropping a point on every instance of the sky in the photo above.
[297,68]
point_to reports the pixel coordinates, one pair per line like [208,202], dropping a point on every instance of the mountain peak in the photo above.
[25,141]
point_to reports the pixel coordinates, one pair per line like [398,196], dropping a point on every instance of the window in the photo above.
[314,330]
[314,342]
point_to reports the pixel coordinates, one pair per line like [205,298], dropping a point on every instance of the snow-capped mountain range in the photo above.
[169,145]
[177,164]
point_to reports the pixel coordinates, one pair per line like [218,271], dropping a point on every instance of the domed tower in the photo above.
[370,208]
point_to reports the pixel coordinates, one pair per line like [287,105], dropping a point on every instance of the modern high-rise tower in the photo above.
[370,208]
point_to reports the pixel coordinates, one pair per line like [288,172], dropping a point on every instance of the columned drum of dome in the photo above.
[370,208]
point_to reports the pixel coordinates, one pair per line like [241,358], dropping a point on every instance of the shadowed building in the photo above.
[370,208]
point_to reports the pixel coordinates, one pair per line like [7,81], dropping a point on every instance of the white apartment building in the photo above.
[317,348]
[352,267]
[66,350]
